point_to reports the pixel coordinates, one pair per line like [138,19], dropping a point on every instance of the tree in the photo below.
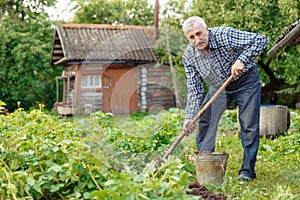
[25,49]
[170,32]
[269,17]
[23,9]
[127,12]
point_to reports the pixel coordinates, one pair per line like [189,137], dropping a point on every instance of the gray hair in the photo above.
[189,23]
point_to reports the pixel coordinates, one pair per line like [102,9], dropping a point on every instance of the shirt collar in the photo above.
[212,43]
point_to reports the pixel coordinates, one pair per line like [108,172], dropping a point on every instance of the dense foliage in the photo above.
[27,37]
[104,157]
[25,50]
[129,12]
[271,18]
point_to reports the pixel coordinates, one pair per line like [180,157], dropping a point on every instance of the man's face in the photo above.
[198,36]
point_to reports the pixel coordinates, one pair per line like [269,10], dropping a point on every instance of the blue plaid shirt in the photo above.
[226,45]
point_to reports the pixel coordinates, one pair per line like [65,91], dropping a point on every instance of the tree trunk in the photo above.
[269,92]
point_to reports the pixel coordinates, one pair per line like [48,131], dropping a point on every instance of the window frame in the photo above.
[89,81]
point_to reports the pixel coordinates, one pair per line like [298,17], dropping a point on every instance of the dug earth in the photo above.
[198,190]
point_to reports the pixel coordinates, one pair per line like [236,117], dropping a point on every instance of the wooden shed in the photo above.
[109,68]
[290,37]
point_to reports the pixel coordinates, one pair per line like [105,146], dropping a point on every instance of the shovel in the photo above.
[196,118]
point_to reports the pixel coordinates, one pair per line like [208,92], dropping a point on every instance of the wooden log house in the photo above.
[109,68]
[290,37]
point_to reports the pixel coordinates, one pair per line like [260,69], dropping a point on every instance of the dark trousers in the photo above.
[246,92]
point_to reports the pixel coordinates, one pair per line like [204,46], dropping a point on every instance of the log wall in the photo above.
[154,88]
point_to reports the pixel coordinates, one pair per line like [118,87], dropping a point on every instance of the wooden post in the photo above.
[156,12]
[77,86]
[173,72]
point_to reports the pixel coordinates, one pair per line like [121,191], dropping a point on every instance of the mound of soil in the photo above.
[199,190]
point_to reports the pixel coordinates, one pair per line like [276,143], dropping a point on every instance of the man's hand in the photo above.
[188,126]
[237,68]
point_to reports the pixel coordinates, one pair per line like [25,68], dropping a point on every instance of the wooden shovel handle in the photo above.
[199,114]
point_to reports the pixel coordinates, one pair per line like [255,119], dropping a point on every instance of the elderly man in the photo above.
[213,55]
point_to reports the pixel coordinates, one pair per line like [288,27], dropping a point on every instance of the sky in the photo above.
[62,10]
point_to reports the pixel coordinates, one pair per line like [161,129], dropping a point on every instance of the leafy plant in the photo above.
[100,157]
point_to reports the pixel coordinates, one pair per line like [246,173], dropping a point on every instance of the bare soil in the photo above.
[198,190]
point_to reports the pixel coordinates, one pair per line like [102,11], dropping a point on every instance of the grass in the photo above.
[277,172]
[277,167]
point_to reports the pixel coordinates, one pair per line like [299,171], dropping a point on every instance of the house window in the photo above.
[91,81]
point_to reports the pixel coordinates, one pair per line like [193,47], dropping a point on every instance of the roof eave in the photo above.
[61,61]
[284,42]
[80,62]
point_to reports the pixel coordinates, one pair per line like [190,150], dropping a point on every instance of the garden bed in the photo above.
[101,157]
[198,190]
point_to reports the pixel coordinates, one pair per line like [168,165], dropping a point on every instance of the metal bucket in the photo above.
[210,167]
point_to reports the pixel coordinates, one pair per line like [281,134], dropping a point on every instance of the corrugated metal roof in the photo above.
[290,37]
[97,43]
